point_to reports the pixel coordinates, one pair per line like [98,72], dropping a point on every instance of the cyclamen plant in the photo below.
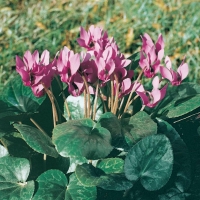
[129,147]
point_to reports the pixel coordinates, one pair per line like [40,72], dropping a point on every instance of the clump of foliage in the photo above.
[115,140]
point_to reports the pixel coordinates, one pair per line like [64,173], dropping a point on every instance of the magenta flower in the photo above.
[151,55]
[68,64]
[151,99]
[105,65]
[88,67]
[95,38]
[36,72]
[174,77]
[125,84]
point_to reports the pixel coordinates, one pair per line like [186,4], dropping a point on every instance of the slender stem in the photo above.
[55,115]
[142,108]
[85,104]
[115,106]
[38,126]
[133,100]
[112,94]
[109,102]
[95,101]
[120,107]
[88,95]
[133,89]
[64,98]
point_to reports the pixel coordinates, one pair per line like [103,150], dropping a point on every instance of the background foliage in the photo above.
[50,24]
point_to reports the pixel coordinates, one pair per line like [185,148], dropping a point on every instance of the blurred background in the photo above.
[51,24]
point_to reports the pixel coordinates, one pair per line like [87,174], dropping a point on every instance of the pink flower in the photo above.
[151,55]
[151,99]
[105,65]
[93,39]
[68,64]
[88,67]
[125,84]
[35,72]
[174,77]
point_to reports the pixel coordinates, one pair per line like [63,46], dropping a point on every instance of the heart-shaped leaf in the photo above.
[82,138]
[150,161]
[13,175]
[91,176]
[37,140]
[53,184]
[16,95]
[137,127]
[75,190]
[110,122]
[182,162]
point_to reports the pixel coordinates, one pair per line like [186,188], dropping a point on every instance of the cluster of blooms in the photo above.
[101,62]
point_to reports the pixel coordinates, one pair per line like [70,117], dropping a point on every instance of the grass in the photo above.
[55,23]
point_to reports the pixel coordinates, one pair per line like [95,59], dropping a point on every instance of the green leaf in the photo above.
[3,151]
[20,97]
[179,101]
[111,165]
[150,161]
[109,121]
[37,140]
[182,176]
[52,185]
[82,138]
[137,127]
[91,176]
[13,175]
[76,191]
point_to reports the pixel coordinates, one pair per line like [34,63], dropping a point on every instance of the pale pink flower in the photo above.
[94,38]
[174,77]
[151,55]
[151,99]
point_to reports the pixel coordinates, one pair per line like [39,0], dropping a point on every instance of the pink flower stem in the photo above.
[133,90]
[95,101]
[115,106]
[112,95]
[88,95]
[54,111]
[142,108]
[64,98]
[85,104]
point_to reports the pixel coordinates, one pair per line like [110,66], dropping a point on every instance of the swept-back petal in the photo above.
[160,43]
[19,63]
[166,73]
[45,57]
[168,62]
[156,82]
[183,70]
[28,60]
[74,63]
